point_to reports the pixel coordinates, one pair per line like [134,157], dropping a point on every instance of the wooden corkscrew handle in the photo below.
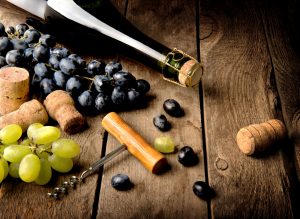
[153,160]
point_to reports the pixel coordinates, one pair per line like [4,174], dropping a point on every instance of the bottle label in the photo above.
[181,69]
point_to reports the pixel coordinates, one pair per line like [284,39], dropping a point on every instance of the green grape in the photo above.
[45,173]
[14,170]
[65,148]
[32,128]
[45,135]
[4,163]
[1,172]
[29,168]
[59,164]
[15,153]
[25,141]
[164,144]
[10,133]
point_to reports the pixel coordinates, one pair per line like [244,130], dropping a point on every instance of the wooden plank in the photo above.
[168,195]
[237,92]
[286,62]
[19,200]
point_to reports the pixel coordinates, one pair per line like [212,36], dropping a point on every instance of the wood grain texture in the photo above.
[286,62]
[168,195]
[27,200]
[237,92]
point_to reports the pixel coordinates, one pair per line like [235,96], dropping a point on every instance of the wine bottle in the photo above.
[100,16]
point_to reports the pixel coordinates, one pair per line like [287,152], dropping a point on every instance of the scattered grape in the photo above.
[47,40]
[133,96]
[45,173]
[15,153]
[14,57]
[60,52]
[68,66]
[112,67]
[45,135]
[161,123]
[143,86]
[41,53]
[29,168]
[95,68]
[54,61]
[187,156]
[14,170]
[21,28]
[102,101]
[4,164]
[47,85]
[86,99]
[65,148]
[102,82]
[173,108]
[60,79]
[28,54]
[32,128]
[19,44]
[164,144]
[203,190]
[119,96]
[74,86]
[42,70]
[59,164]
[124,79]
[32,36]
[10,134]
[5,45]
[1,173]
[121,182]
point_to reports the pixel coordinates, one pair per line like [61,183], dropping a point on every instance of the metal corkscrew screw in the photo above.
[153,160]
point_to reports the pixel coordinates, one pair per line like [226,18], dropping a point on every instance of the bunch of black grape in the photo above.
[95,86]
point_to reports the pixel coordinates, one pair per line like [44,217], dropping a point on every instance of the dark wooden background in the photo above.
[252,74]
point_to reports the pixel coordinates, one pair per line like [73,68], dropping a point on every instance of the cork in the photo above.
[257,138]
[61,108]
[190,73]
[29,112]
[14,84]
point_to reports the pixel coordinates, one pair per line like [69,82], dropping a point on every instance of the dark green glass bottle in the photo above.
[102,17]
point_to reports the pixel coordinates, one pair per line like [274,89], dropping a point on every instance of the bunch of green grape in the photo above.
[32,159]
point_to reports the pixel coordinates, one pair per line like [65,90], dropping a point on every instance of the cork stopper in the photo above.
[61,108]
[190,73]
[256,138]
[14,84]
[29,112]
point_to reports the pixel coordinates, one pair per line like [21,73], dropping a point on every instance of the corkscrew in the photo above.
[130,140]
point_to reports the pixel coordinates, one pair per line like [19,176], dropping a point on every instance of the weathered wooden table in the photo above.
[251,75]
